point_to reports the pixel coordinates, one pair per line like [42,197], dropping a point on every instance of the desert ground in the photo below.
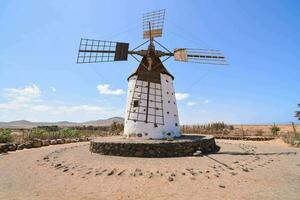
[241,170]
[265,128]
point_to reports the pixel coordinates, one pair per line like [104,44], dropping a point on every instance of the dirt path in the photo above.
[241,170]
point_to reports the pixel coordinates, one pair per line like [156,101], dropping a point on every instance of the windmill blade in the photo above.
[153,23]
[202,56]
[93,51]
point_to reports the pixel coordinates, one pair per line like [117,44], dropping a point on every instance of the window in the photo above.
[136,103]
[168,112]
[168,101]
[176,124]
[155,124]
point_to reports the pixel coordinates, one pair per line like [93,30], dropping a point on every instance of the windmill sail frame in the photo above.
[153,23]
[202,56]
[93,51]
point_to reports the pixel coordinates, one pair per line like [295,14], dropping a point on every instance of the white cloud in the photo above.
[203,100]
[27,102]
[25,94]
[181,96]
[104,89]
[206,101]
[191,103]
[53,89]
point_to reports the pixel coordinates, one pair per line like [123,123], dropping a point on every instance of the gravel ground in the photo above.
[241,170]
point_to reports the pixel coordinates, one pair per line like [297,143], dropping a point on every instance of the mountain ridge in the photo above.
[30,124]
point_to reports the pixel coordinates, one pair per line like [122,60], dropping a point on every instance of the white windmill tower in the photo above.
[151,110]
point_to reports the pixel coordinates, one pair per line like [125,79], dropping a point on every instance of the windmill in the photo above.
[151,110]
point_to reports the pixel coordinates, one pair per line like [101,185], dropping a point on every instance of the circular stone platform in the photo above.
[186,145]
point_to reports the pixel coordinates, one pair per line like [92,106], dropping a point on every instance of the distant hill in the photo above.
[29,124]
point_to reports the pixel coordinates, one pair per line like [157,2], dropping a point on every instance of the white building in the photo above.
[151,111]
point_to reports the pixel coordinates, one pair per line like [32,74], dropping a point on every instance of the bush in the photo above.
[69,133]
[37,133]
[116,127]
[5,136]
[275,129]
[211,128]
[259,132]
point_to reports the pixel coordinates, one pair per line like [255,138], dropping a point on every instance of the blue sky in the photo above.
[40,80]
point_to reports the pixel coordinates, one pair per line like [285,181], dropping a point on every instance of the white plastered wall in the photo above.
[171,127]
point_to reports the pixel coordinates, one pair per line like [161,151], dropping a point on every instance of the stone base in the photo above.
[186,145]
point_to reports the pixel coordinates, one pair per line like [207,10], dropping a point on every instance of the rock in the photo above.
[4,148]
[121,172]
[21,146]
[221,185]
[110,173]
[53,142]
[297,143]
[67,140]
[60,141]
[46,158]
[183,173]
[28,145]
[233,173]
[198,153]
[73,140]
[65,170]
[150,175]
[170,179]
[173,174]
[57,166]
[45,142]
[245,169]
[36,143]
[12,147]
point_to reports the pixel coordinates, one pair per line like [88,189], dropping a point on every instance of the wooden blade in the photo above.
[202,56]
[93,51]
[153,23]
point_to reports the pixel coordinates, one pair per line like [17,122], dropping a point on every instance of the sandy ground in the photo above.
[241,170]
[266,127]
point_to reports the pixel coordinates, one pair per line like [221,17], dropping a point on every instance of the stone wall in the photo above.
[184,146]
[36,143]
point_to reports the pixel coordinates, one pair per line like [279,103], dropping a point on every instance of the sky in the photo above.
[40,80]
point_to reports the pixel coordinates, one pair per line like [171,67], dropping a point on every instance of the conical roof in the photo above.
[154,74]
